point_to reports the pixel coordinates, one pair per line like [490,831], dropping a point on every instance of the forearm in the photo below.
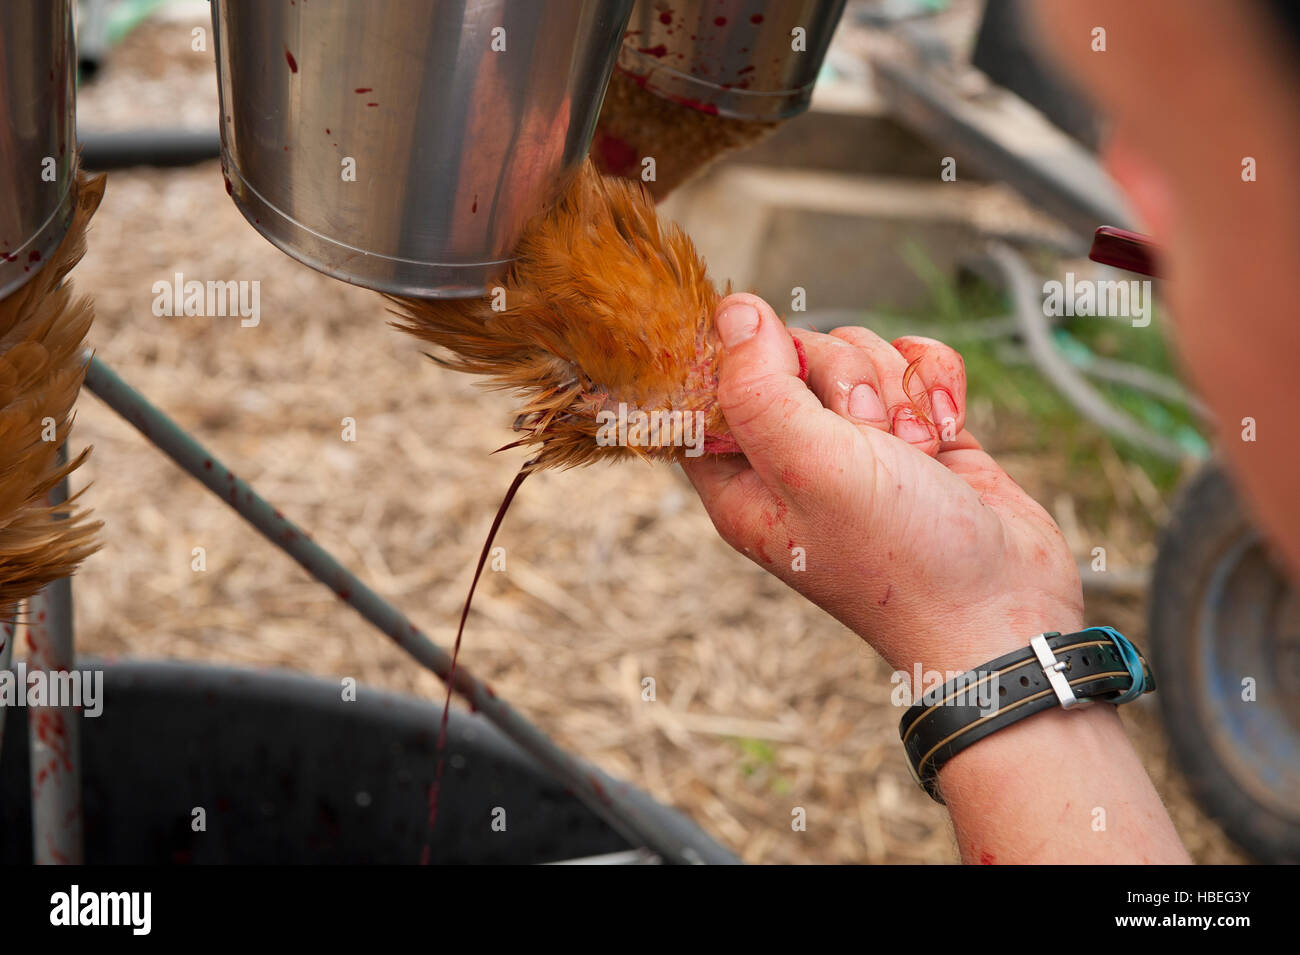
[1058,787]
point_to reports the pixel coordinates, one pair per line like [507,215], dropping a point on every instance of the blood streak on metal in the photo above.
[288,58]
[710,109]
[55,780]
[616,156]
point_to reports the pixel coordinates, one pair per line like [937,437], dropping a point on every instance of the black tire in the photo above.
[1221,611]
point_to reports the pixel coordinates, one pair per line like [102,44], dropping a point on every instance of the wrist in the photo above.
[963,641]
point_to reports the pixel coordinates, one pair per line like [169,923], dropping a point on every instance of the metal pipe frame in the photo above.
[54,732]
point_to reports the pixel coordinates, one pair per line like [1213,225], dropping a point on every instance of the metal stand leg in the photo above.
[53,732]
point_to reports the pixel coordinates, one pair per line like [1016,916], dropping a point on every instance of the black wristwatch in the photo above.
[1067,670]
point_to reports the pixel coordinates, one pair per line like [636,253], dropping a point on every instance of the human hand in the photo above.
[912,536]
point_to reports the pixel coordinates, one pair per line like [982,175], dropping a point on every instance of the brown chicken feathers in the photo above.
[602,306]
[42,329]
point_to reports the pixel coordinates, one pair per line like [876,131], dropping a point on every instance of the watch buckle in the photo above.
[1052,669]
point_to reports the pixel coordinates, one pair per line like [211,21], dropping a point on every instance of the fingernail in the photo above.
[737,324]
[865,404]
[943,408]
[910,428]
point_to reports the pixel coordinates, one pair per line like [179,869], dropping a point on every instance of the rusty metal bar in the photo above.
[628,811]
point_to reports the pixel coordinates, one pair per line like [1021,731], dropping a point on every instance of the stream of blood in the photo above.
[435,788]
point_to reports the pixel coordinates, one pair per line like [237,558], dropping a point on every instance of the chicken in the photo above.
[602,307]
[42,328]
[602,310]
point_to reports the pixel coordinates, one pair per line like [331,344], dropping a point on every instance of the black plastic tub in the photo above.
[286,771]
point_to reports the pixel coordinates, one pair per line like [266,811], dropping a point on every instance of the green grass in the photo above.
[758,757]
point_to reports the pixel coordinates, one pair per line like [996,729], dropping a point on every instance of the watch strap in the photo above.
[1094,665]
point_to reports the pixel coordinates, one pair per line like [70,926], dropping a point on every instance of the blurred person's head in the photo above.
[1193,90]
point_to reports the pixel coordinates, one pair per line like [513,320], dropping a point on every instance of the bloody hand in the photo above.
[911,535]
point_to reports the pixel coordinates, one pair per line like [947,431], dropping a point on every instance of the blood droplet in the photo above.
[288,57]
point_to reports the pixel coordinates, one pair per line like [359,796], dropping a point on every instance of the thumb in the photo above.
[760,392]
